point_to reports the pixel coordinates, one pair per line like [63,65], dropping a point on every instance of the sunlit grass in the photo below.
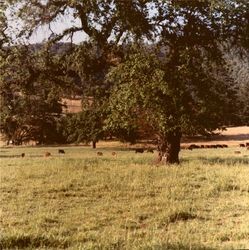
[83,201]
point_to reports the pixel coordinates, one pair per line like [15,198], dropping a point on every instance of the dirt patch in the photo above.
[232,136]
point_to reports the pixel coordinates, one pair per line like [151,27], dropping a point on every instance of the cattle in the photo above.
[247,144]
[193,146]
[139,150]
[47,154]
[224,146]
[237,152]
[99,153]
[114,154]
[150,150]
[242,145]
[61,151]
[22,155]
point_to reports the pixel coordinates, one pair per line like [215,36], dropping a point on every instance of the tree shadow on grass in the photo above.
[32,242]
[180,247]
[164,246]
[10,156]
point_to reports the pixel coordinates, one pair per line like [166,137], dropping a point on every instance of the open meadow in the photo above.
[83,201]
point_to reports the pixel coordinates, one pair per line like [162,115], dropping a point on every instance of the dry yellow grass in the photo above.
[82,201]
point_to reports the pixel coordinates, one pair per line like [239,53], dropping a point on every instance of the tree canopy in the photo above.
[30,100]
[161,62]
[184,98]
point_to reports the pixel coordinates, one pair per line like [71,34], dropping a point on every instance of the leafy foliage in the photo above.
[85,126]
[187,98]
[30,100]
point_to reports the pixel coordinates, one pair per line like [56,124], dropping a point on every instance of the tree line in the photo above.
[146,68]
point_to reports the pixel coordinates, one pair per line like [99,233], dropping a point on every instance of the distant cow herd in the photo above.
[151,150]
[194,146]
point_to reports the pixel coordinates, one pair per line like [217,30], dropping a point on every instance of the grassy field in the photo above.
[83,201]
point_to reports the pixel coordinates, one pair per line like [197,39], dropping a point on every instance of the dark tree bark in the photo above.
[94,144]
[169,147]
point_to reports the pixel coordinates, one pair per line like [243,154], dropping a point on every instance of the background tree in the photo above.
[189,32]
[30,100]
[237,61]
[85,126]
[105,24]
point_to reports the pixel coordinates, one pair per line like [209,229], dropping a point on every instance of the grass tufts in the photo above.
[181,216]
[22,241]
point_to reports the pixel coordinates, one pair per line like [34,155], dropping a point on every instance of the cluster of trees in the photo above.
[158,68]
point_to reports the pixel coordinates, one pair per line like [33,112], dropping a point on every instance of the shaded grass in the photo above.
[32,241]
[81,201]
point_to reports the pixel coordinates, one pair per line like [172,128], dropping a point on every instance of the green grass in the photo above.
[81,201]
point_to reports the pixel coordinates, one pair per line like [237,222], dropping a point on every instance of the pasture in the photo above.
[81,200]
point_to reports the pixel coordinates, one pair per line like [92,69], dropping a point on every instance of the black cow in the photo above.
[193,146]
[139,150]
[61,151]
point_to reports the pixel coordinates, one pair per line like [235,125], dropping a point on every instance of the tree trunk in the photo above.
[94,144]
[169,147]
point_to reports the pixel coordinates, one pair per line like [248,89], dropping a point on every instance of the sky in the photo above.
[42,33]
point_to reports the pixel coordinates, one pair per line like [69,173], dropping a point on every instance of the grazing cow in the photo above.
[114,154]
[99,153]
[47,154]
[193,146]
[150,150]
[139,150]
[237,152]
[202,146]
[22,155]
[242,145]
[61,151]
[247,144]
[224,146]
